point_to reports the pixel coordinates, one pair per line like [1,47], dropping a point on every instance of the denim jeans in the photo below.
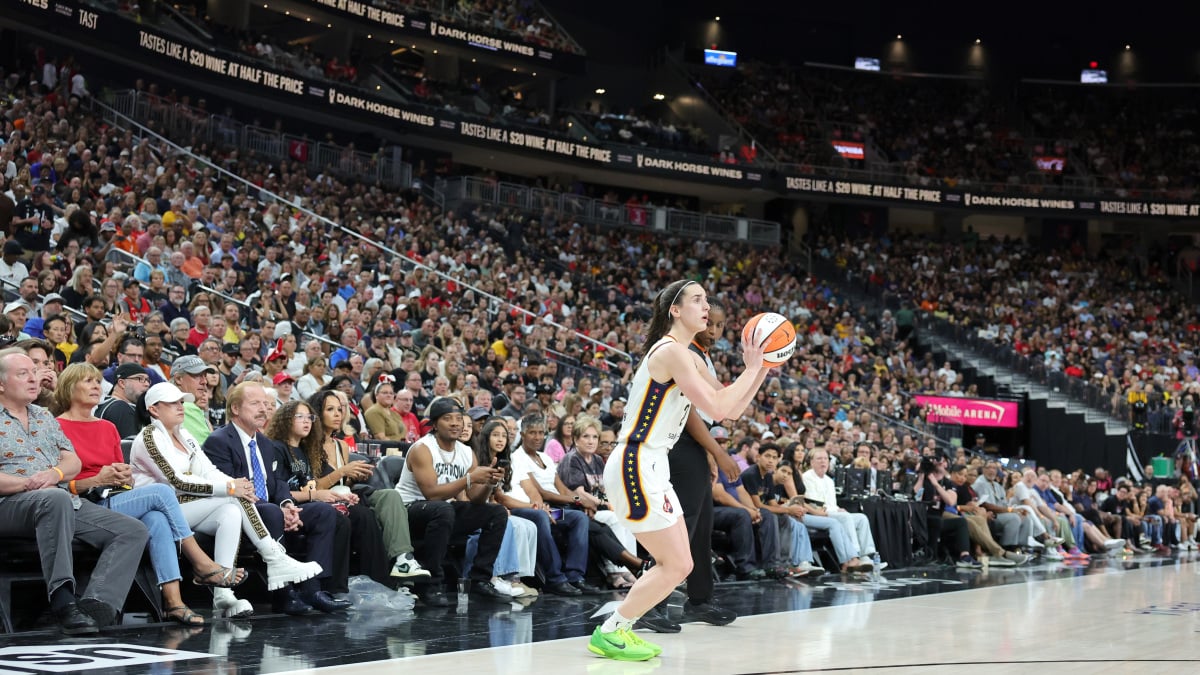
[158,509]
[794,544]
[553,565]
[1154,529]
[845,546]
[1077,531]
[508,561]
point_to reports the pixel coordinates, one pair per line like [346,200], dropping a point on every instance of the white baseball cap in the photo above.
[165,392]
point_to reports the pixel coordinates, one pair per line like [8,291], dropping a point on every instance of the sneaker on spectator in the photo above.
[407,567]
[1052,554]
[967,561]
[752,575]
[1111,544]
[522,590]
[779,573]
[1076,554]
[505,587]
[1146,548]
[1016,558]
[809,568]
[999,561]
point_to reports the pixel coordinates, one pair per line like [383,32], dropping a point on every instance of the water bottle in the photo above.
[876,573]
[464,592]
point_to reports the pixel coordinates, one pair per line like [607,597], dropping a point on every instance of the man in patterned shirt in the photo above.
[36,462]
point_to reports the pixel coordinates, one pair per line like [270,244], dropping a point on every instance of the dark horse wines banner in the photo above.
[118,34]
[414,23]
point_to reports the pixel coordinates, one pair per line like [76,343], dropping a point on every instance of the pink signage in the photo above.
[975,412]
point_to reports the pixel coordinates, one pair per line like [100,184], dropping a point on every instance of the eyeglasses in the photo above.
[139,378]
[607,444]
[309,417]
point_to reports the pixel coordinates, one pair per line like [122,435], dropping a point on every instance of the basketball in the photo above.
[775,334]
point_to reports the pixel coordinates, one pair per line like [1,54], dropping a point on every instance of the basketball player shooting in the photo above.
[665,386]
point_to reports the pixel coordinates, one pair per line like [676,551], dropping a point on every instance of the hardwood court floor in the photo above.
[1136,616]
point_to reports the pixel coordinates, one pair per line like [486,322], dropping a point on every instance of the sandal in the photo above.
[183,615]
[226,577]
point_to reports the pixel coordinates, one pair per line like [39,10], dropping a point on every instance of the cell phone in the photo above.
[503,462]
[556,514]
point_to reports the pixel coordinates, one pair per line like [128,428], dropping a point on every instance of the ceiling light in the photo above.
[660,97]
[601,90]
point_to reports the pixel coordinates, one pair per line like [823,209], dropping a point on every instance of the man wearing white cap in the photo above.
[17,312]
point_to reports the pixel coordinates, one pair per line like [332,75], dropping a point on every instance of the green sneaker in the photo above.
[620,645]
[638,640]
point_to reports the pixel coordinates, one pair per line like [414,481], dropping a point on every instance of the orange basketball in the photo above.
[775,334]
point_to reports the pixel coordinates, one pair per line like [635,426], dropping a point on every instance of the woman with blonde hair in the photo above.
[79,287]
[582,471]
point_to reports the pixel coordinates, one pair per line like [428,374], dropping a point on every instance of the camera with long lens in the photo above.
[928,465]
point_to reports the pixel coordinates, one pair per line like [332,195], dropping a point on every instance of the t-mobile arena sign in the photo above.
[974,412]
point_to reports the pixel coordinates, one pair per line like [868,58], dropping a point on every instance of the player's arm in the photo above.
[673,361]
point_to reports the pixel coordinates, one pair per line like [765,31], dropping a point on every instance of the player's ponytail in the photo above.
[660,316]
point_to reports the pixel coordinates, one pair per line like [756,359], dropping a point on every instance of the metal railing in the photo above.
[178,120]
[118,119]
[1107,397]
[676,222]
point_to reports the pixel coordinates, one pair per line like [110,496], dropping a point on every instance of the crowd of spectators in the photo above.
[1110,320]
[526,20]
[958,132]
[131,258]
[473,93]
[631,128]
[1133,141]
[771,102]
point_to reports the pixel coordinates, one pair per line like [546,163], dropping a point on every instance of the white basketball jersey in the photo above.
[656,414]
[449,466]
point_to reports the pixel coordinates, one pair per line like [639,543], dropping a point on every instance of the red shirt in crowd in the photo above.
[97,443]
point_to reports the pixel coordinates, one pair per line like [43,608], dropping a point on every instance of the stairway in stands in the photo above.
[1009,381]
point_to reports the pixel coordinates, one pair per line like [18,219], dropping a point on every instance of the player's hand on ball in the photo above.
[752,354]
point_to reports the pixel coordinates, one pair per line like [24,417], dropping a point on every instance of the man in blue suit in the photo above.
[240,451]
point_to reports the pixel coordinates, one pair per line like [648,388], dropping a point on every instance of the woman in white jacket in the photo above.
[212,503]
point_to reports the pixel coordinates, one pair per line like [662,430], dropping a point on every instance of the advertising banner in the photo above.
[189,59]
[414,23]
[974,412]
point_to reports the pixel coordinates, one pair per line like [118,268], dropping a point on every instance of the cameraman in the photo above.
[942,520]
